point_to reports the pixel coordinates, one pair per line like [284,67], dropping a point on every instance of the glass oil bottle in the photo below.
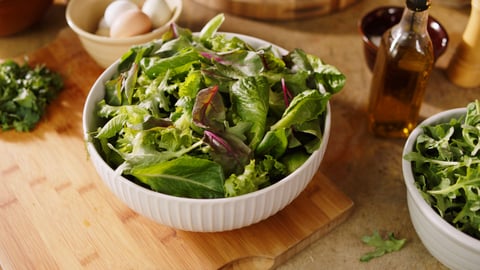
[402,68]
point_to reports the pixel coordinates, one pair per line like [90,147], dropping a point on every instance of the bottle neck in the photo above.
[414,21]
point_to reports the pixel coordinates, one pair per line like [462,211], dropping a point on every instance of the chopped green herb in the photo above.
[24,94]
[382,246]
[446,167]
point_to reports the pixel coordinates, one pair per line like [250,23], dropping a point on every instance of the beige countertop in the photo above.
[366,168]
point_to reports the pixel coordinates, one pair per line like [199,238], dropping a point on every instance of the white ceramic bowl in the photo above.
[201,215]
[83,17]
[451,247]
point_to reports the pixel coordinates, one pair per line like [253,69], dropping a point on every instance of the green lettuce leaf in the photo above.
[306,106]
[184,176]
[249,97]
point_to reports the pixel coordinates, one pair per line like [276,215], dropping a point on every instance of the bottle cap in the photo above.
[418,5]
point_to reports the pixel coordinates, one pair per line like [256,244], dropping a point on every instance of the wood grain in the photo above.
[278,9]
[56,213]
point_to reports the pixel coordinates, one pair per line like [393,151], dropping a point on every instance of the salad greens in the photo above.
[24,94]
[446,167]
[208,116]
[382,246]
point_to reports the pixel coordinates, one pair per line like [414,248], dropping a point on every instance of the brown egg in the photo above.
[130,23]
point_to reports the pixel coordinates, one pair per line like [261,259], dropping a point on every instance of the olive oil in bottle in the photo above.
[402,68]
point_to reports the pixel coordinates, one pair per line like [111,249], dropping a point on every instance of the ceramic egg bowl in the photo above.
[450,246]
[18,15]
[83,17]
[373,24]
[200,215]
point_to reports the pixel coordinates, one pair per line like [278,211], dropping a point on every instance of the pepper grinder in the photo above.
[464,67]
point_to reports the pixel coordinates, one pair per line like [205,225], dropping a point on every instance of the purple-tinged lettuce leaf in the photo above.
[228,150]
[287,96]
[208,111]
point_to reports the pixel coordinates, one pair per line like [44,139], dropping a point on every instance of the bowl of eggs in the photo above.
[108,28]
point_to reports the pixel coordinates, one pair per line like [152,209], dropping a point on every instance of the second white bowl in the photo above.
[448,245]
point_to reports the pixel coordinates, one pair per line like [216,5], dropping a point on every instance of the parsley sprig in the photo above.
[24,94]
[382,246]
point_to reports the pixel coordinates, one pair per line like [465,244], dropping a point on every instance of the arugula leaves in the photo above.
[24,94]
[204,116]
[446,166]
[382,246]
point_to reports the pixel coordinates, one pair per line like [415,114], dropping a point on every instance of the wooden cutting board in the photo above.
[56,213]
[278,9]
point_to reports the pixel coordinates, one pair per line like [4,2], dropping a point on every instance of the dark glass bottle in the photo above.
[402,68]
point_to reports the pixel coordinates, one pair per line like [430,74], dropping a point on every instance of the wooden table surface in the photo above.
[367,169]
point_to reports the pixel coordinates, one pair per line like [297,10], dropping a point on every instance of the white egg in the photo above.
[158,11]
[130,23]
[116,8]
